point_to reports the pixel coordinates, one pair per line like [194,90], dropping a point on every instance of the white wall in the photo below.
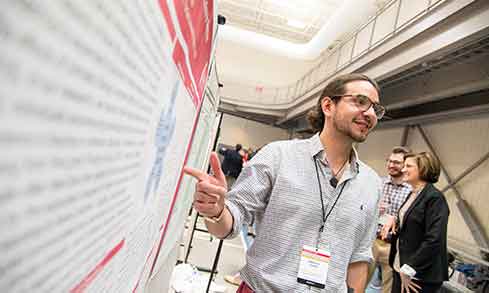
[458,143]
[378,146]
[251,67]
[248,133]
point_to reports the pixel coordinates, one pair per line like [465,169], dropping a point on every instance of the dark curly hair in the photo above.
[335,87]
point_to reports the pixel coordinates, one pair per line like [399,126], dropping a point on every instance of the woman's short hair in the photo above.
[428,166]
[337,86]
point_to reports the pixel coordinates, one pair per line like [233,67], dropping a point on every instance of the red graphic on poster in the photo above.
[80,287]
[192,36]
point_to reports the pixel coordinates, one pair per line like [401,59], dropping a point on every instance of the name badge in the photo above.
[313,267]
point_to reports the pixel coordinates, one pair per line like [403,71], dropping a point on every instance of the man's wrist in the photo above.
[216,219]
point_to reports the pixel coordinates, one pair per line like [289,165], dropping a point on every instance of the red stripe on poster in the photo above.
[179,59]
[91,276]
[167,17]
[142,271]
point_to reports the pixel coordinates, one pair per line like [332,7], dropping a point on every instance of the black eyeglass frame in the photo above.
[378,108]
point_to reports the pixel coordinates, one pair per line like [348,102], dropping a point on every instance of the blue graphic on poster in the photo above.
[164,133]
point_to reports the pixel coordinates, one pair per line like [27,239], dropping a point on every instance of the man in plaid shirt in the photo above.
[395,192]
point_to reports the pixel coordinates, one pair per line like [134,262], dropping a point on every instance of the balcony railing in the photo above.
[388,22]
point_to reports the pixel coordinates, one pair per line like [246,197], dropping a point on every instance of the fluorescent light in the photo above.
[296,23]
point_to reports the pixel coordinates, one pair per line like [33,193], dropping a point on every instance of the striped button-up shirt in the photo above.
[279,189]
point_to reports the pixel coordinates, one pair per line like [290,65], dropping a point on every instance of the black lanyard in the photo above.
[325,216]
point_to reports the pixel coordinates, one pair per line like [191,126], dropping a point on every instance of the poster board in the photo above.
[99,101]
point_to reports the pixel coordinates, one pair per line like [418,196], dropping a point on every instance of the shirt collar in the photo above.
[316,147]
[388,179]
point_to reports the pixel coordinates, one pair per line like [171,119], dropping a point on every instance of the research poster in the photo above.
[98,108]
[191,26]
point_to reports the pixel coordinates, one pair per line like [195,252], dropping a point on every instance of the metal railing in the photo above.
[400,13]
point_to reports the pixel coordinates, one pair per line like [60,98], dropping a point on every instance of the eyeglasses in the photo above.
[364,103]
[393,162]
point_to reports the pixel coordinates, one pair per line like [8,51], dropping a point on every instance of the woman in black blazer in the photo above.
[418,253]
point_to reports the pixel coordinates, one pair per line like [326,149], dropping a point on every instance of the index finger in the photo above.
[216,168]
[417,286]
[196,173]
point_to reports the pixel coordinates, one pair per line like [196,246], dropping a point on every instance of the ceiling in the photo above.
[292,20]
[272,18]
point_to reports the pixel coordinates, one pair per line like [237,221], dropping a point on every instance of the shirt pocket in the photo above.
[353,219]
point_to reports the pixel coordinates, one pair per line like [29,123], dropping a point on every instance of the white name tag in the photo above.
[313,267]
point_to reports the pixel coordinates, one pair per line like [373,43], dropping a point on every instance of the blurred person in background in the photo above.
[232,163]
[419,245]
[253,153]
[394,193]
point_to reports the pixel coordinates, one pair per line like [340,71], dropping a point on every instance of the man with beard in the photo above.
[395,192]
[313,201]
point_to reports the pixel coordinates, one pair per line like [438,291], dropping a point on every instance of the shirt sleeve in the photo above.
[250,193]
[363,251]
